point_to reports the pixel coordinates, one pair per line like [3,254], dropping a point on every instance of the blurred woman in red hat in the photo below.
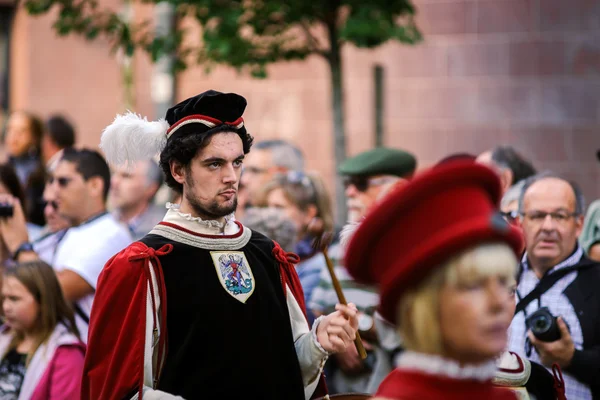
[445,262]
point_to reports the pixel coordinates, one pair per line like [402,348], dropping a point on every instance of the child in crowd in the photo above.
[42,354]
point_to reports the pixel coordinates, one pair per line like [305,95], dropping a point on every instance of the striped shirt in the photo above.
[558,303]
[324,298]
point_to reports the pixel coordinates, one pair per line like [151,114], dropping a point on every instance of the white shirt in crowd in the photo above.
[85,249]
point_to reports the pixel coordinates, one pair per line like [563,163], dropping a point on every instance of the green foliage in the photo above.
[370,25]
[247,34]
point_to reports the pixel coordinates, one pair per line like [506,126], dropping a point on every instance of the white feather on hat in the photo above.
[131,138]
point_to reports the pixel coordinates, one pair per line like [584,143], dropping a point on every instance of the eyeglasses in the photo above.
[510,216]
[362,183]
[62,181]
[300,180]
[538,217]
[51,204]
[296,177]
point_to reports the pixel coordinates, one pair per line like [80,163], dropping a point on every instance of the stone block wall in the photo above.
[519,72]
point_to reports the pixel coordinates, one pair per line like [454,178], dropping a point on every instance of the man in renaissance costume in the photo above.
[201,297]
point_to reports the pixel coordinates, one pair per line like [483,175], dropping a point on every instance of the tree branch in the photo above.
[313,43]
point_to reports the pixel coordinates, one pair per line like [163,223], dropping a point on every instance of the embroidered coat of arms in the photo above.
[235,273]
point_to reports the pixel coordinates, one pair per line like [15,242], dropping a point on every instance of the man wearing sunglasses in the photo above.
[555,273]
[80,185]
[368,176]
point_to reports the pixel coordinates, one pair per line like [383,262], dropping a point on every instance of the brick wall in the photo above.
[78,78]
[520,72]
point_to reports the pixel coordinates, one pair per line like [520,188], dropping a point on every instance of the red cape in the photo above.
[114,362]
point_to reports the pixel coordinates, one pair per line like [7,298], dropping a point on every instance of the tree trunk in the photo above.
[379,106]
[337,106]
[163,76]
[127,71]
[128,83]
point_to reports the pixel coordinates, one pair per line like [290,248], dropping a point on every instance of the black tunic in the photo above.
[218,346]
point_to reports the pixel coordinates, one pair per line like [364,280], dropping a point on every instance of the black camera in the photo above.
[544,325]
[6,210]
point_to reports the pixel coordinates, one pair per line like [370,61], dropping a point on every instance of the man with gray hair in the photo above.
[268,158]
[132,190]
[557,319]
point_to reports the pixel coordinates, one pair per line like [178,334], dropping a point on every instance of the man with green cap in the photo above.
[370,174]
[368,177]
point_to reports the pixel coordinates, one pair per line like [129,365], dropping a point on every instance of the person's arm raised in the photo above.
[13,230]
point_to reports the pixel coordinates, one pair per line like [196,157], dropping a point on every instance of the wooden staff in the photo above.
[321,243]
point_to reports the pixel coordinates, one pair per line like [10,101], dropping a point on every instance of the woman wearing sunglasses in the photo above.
[305,200]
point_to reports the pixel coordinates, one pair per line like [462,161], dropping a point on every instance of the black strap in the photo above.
[81,313]
[393,353]
[548,281]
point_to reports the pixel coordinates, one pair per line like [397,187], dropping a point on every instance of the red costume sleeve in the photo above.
[289,276]
[114,362]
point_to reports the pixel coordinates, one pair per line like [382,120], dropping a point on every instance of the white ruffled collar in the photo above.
[199,225]
[513,370]
[437,365]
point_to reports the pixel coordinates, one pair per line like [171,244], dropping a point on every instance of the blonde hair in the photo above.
[40,280]
[418,309]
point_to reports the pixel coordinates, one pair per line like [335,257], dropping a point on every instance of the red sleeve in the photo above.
[114,361]
[289,276]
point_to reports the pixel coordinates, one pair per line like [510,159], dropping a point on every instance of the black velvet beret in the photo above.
[222,109]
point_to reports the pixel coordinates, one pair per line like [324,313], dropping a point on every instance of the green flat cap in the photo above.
[379,161]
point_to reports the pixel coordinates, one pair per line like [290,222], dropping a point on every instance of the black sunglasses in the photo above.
[62,181]
[361,183]
[49,203]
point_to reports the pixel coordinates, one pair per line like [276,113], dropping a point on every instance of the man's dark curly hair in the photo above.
[183,149]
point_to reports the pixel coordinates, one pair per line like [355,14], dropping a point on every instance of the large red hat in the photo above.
[423,223]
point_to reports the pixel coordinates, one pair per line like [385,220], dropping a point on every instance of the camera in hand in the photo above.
[6,210]
[544,325]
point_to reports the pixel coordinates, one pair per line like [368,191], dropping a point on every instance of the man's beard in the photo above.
[355,210]
[212,210]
